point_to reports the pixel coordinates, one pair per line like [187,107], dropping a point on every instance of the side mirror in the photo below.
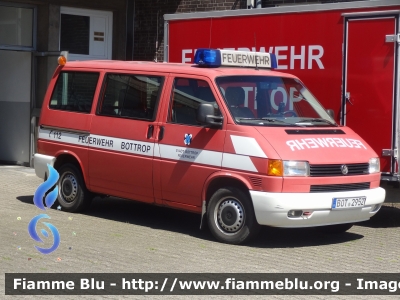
[331,113]
[206,116]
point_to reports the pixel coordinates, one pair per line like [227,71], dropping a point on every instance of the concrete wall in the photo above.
[15,106]
[21,97]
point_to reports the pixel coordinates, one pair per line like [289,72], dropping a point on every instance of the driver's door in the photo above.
[189,152]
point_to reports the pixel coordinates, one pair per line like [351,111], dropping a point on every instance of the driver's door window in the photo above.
[186,97]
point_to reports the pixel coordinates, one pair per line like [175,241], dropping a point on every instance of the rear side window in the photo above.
[131,96]
[74,91]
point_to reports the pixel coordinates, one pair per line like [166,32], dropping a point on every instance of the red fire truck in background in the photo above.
[346,53]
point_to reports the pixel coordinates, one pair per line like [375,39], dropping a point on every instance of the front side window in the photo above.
[74,91]
[272,101]
[186,97]
[131,96]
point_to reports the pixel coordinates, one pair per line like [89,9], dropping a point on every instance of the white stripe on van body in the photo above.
[240,162]
[98,141]
[177,153]
[247,146]
[205,157]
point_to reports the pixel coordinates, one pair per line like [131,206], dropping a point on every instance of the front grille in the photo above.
[339,187]
[335,170]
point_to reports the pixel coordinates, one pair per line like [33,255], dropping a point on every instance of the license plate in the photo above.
[346,203]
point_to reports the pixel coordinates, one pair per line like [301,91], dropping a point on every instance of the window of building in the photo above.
[186,97]
[131,96]
[75,33]
[74,91]
[16,27]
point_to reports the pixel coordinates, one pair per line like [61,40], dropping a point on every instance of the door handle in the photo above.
[150,131]
[347,97]
[161,133]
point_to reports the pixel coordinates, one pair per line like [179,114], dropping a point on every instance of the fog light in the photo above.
[294,213]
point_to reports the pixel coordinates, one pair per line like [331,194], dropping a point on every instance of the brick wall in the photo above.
[209,5]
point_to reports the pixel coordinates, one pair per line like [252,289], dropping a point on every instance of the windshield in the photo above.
[272,101]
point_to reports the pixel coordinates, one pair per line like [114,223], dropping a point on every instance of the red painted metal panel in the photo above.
[183,181]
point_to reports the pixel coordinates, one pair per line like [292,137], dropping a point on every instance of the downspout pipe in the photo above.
[254,4]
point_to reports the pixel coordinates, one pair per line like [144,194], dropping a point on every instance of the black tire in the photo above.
[334,229]
[73,195]
[230,216]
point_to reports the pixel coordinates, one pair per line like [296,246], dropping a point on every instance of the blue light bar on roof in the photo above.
[216,58]
[208,57]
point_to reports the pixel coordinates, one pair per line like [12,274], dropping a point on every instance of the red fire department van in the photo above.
[347,54]
[185,136]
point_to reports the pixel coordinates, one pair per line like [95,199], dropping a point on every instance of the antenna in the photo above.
[155,59]
[255,45]
[209,46]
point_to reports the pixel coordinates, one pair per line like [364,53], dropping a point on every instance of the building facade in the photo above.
[31,36]
[33,32]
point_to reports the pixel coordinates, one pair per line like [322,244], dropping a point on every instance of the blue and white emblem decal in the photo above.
[188,139]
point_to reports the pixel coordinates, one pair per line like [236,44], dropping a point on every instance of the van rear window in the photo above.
[74,91]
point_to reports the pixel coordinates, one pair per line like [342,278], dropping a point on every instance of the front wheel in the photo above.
[73,195]
[231,216]
[334,229]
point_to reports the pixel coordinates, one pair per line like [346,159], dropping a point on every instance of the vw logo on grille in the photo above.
[344,169]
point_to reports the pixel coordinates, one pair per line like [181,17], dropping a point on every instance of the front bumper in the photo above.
[272,208]
[40,162]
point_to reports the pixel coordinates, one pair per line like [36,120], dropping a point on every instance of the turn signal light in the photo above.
[62,59]
[275,167]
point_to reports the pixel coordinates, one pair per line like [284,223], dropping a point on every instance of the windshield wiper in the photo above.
[316,120]
[271,120]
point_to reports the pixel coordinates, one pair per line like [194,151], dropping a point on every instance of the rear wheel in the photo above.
[73,195]
[334,229]
[231,216]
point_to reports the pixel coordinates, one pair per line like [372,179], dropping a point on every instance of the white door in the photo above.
[86,34]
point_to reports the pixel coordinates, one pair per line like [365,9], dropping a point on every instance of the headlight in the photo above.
[374,165]
[277,167]
[296,168]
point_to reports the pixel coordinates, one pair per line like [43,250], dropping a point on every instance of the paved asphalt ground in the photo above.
[123,236]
